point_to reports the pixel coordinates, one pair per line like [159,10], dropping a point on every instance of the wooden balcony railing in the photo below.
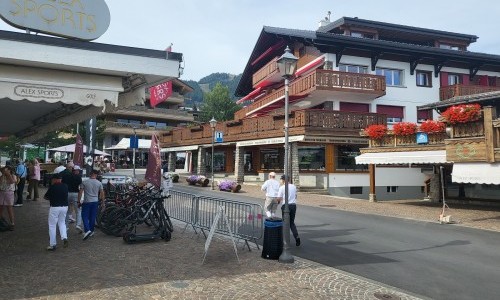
[310,122]
[110,124]
[447,92]
[267,71]
[325,80]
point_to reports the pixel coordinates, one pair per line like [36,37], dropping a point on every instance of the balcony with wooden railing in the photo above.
[448,92]
[269,72]
[128,128]
[477,141]
[303,122]
[322,85]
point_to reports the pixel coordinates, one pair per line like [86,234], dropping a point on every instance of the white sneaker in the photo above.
[79,229]
[87,235]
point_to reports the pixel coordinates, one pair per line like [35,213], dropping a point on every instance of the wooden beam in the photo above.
[338,55]
[438,67]
[473,71]
[372,196]
[489,114]
[374,59]
[413,64]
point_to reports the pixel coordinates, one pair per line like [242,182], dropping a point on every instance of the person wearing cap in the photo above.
[292,204]
[271,187]
[57,194]
[92,192]
[71,177]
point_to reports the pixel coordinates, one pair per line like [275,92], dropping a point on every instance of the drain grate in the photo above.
[180,284]
[327,205]
[384,296]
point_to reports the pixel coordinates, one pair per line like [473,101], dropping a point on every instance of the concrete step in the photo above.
[307,190]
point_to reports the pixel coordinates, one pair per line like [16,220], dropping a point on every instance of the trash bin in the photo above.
[273,238]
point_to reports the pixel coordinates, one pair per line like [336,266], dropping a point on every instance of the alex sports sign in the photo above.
[79,19]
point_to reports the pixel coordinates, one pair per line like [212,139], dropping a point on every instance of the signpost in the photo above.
[219,136]
[220,213]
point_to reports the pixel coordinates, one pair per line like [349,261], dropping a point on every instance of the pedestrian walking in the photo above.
[21,173]
[292,204]
[34,173]
[57,194]
[72,178]
[271,187]
[7,188]
[92,192]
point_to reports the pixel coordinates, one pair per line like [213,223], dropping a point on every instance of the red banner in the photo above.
[153,170]
[78,155]
[160,93]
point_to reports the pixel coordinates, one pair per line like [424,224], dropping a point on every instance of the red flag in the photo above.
[78,155]
[160,93]
[153,170]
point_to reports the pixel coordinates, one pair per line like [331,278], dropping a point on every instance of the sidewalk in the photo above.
[104,267]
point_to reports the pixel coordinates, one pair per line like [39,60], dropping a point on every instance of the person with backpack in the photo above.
[21,172]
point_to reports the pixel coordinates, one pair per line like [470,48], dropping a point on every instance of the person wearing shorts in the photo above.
[7,189]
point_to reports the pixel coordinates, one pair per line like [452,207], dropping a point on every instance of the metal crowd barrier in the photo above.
[245,219]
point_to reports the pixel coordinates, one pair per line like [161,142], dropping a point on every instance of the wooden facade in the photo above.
[450,91]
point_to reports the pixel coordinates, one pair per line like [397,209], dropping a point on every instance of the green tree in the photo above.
[218,104]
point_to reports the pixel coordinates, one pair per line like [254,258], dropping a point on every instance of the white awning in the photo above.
[405,157]
[180,149]
[480,173]
[124,144]
[71,148]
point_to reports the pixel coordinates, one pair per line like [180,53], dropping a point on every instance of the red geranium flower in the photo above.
[431,126]
[376,132]
[404,128]
[463,113]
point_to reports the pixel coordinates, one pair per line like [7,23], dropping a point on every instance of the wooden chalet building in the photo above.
[351,73]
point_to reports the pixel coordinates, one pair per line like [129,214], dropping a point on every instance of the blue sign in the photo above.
[219,136]
[134,142]
[422,138]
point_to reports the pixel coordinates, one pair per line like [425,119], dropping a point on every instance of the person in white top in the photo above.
[292,204]
[271,187]
[59,168]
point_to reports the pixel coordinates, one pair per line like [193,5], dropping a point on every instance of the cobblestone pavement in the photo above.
[104,267]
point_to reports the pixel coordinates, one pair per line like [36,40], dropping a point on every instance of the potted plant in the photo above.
[376,132]
[197,179]
[229,185]
[431,126]
[463,113]
[404,129]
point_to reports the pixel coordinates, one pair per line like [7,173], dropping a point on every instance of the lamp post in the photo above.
[133,151]
[213,122]
[287,65]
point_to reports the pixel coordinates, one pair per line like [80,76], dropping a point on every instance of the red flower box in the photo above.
[463,113]
[431,126]
[404,128]
[376,132]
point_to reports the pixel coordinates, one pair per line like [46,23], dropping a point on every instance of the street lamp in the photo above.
[213,122]
[133,151]
[287,64]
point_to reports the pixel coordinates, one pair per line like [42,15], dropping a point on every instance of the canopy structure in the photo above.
[479,173]
[49,83]
[71,148]
[404,157]
[124,144]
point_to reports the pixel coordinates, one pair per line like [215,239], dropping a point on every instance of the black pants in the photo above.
[293,210]
[20,190]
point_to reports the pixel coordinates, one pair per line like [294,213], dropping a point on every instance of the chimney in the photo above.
[325,21]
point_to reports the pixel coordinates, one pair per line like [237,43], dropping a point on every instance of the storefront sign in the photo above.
[79,19]
[270,141]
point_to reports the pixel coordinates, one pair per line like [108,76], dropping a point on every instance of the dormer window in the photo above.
[362,35]
[449,46]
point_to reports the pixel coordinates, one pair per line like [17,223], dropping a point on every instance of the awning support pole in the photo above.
[372,196]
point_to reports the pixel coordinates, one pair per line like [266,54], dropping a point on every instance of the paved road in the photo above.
[436,261]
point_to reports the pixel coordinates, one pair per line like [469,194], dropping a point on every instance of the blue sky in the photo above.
[219,35]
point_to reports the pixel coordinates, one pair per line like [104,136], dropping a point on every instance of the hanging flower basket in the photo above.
[376,132]
[463,113]
[229,186]
[404,128]
[197,179]
[431,126]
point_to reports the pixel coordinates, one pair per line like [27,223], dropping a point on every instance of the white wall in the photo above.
[399,177]
[348,179]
